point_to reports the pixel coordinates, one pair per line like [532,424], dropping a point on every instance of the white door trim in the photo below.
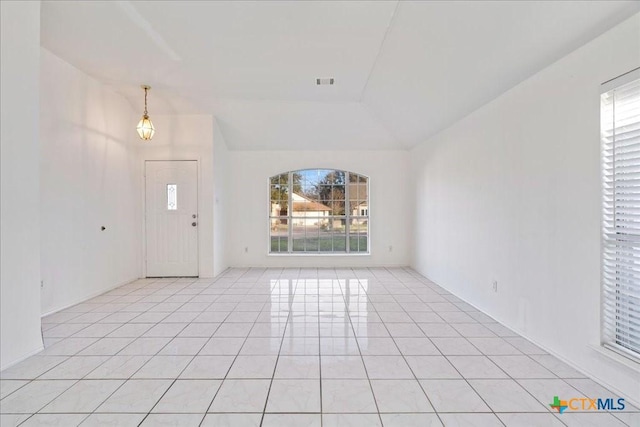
[143,194]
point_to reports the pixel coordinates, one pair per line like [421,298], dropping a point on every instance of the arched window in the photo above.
[317,211]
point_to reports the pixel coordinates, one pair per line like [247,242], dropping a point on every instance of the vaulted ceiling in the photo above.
[403,70]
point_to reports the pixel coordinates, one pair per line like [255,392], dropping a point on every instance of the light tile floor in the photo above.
[290,347]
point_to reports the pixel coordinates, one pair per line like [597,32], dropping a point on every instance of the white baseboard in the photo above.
[20,359]
[612,387]
[88,297]
[220,273]
[315,265]
[583,371]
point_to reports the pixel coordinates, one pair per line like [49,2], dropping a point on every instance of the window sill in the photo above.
[611,354]
[321,254]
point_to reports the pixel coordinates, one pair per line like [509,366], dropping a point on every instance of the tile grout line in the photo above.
[188,292]
[471,385]
[375,401]
[222,381]
[143,365]
[266,401]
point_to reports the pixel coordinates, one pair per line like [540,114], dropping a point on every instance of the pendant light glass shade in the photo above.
[145,127]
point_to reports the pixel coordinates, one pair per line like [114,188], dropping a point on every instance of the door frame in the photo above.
[144,208]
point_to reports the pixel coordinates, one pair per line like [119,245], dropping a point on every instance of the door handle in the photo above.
[193,224]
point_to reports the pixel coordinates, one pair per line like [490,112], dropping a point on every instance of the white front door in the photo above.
[171,189]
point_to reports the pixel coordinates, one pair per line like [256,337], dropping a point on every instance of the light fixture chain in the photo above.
[145,101]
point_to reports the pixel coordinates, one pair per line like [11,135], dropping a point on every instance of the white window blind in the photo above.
[620,133]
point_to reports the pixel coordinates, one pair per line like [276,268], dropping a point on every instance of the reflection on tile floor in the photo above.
[289,347]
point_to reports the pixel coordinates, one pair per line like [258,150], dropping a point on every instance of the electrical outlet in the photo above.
[495,286]
[390,248]
[246,249]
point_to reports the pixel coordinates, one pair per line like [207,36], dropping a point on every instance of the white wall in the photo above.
[512,193]
[20,181]
[89,179]
[186,137]
[221,181]
[249,210]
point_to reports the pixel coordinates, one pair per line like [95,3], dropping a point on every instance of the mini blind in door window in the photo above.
[620,134]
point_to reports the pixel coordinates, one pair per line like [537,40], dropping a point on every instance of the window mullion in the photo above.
[347,209]
[290,213]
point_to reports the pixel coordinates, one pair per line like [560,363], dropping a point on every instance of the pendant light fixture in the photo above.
[145,127]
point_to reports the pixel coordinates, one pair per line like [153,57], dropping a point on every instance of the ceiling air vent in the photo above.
[326,81]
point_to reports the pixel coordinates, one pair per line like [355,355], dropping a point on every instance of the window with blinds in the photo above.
[620,134]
